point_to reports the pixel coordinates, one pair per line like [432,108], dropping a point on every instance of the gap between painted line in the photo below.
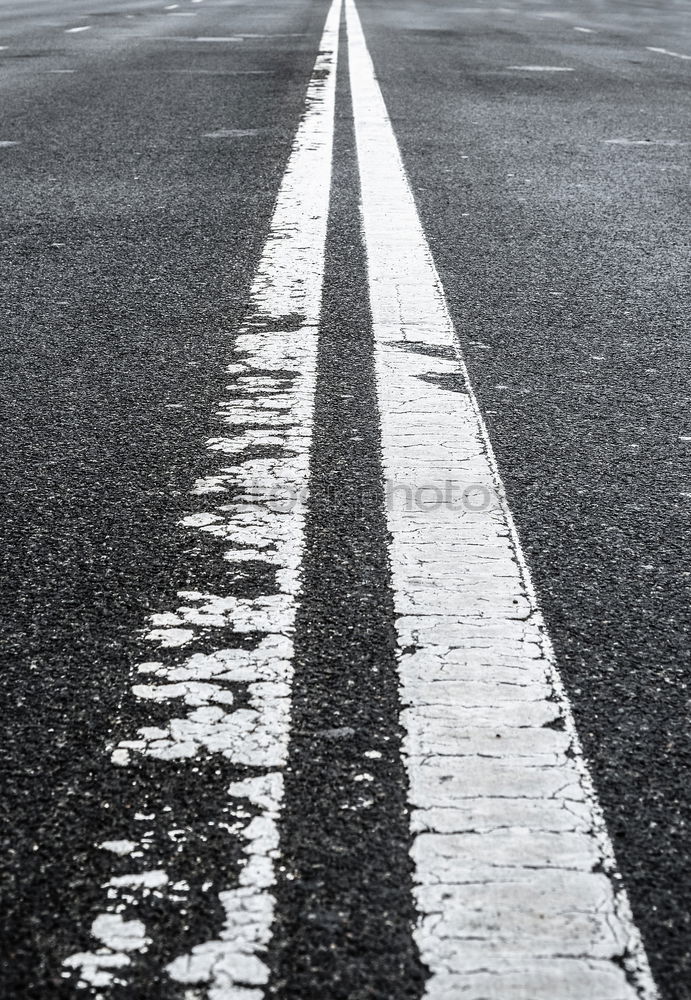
[516,885]
[255,505]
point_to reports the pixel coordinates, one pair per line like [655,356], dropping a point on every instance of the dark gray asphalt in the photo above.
[127,244]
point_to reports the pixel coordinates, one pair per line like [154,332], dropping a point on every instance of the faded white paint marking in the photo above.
[515,881]
[259,514]
[666,52]
[543,69]
[644,142]
[586,31]
[73,31]
[222,72]
[212,38]
[232,133]
[6,143]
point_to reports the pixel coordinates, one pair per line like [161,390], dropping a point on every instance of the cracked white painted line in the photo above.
[515,881]
[258,513]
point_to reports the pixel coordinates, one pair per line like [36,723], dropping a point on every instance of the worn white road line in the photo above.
[255,506]
[516,884]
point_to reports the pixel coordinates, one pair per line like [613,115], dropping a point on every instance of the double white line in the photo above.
[515,880]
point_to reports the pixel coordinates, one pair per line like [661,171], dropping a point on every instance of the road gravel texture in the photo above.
[547,150]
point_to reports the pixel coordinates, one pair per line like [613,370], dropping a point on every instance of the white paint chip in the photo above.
[512,861]
[74,31]
[119,934]
[119,847]
[7,143]
[118,937]
[170,636]
[137,880]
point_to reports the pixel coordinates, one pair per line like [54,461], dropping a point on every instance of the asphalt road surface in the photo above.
[346,504]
